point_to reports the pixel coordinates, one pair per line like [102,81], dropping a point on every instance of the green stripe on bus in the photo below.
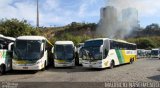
[120,57]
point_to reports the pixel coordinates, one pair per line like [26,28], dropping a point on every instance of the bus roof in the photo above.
[98,39]
[63,42]
[124,42]
[156,49]
[31,38]
[117,40]
[7,38]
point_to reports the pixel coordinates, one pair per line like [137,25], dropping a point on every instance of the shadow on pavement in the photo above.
[73,69]
[20,72]
[81,69]
[152,59]
[50,68]
[156,78]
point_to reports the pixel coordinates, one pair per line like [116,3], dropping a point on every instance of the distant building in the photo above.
[117,24]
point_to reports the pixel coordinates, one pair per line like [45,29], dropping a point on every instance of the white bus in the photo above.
[143,53]
[64,54]
[105,52]
[31,53]
[6,47]
[155,53]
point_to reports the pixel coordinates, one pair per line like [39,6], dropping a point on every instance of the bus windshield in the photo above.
[28,49]
[92,49]
[154,52]
[94,43]
[64,52]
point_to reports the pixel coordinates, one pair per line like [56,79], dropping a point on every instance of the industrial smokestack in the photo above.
[37,14]
[117,22]
[108,22]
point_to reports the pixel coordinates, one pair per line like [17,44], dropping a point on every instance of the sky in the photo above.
[63,12]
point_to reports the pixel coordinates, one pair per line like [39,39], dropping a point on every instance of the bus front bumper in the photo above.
[64,64]
[92,65]
[27,67]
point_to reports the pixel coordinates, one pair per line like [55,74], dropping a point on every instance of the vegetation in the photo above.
[16,28]
[145,38]
[76,32]
[146,42]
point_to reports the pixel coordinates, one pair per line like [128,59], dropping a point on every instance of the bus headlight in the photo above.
[38,62]
[99,62]
[13,61]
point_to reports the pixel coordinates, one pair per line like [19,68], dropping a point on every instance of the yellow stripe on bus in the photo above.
[59,61]
[127,57]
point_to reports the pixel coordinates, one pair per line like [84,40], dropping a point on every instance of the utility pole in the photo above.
[37,14]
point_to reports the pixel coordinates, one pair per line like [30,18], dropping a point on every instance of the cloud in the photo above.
[61,12]
[49,5]
[9,9]
[146,8]
[65,13]
[3,3]
[85,8]
[52,12]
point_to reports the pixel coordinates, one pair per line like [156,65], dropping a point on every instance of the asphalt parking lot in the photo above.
[143,70]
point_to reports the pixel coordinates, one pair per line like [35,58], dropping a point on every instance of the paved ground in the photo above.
[144,70]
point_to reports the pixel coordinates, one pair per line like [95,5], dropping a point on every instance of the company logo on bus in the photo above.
[1,54]
[129,52]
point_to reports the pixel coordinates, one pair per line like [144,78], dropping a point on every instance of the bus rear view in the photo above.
[64,54]
[155,53]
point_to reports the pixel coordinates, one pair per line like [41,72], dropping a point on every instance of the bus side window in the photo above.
[127,46]
[1,46]
[106,52]
[12,46]
[44,46]
[111,45]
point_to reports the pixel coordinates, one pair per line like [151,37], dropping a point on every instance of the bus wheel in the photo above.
[44,68]
[111,65]
[131,61]
[2,69]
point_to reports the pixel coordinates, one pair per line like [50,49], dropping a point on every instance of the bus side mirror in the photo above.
[101,48]
[42,45]
[52,50]
[75,49]
[10,46]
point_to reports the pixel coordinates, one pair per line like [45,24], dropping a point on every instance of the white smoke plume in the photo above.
[144,7]
[127,12]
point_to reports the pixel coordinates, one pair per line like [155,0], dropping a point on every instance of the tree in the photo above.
[144,43]
[153,27]
[15,28]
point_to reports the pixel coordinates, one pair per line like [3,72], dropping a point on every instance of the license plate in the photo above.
[90,65]
[64,65]
[25,68]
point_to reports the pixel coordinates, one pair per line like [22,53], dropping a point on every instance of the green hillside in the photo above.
[145,38]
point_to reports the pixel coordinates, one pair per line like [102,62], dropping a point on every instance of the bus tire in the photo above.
[2,69]
[53,65]
[131,61]
[112,64]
